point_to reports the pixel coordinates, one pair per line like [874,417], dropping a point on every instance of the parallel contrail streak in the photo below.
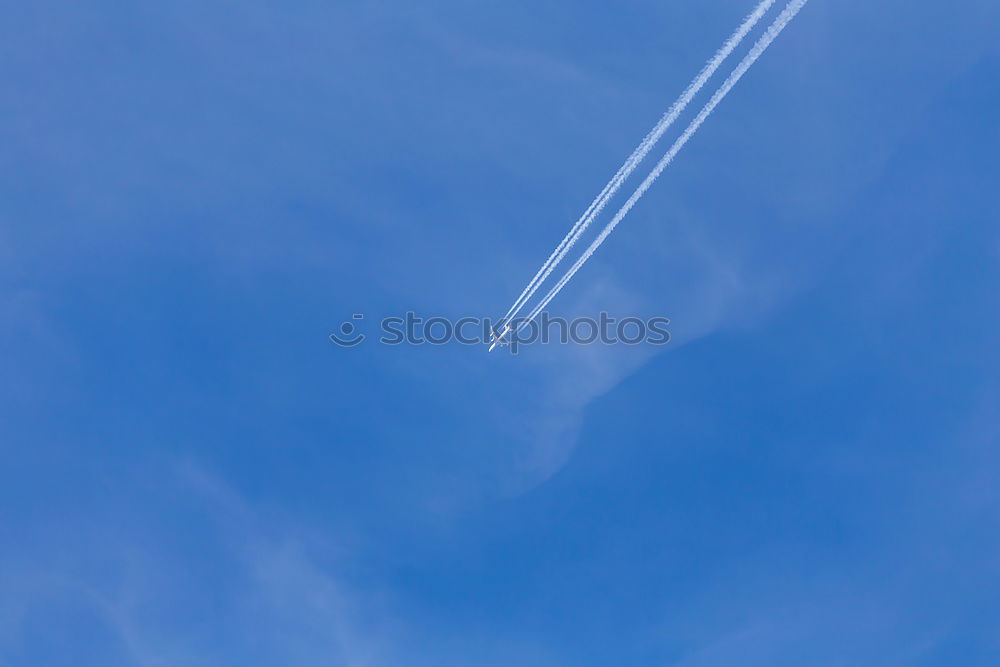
[773,31]
[637,156]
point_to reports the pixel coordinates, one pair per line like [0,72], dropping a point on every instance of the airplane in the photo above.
[498,340]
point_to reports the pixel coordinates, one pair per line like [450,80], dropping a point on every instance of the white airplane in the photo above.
[498,340]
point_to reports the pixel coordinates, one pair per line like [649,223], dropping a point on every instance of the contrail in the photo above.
[773,31]
[637,156]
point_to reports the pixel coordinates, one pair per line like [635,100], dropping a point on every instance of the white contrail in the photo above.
[637,156]
[772,32]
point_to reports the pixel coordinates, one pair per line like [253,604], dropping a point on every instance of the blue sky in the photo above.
[193,195]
